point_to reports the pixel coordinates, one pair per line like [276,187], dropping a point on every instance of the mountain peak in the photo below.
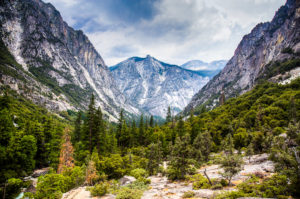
[155,85]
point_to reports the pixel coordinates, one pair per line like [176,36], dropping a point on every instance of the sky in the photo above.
[173,31]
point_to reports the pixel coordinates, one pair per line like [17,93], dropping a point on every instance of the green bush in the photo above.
[99,189]
[139,173]
[199,182]
[127,193]
[223,182]
[217,186]
[230,195]
[188,194]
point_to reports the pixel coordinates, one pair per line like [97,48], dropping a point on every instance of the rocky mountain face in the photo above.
[270,51]
[60,64]
[204,68]
[154,85]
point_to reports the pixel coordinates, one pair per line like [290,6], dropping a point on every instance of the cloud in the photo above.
[174,31]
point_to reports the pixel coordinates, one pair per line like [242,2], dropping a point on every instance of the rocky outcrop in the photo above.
[154,85]
[58,56]
[270,42]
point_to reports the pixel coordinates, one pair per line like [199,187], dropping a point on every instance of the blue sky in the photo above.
[174,31]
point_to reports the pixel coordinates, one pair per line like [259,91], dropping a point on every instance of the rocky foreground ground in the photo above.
[161,188]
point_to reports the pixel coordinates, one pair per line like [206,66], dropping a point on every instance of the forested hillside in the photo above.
[30,138]
[263,120]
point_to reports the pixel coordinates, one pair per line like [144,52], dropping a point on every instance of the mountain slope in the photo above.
[201,65]
[264,48]
[61,59]
[155,85]
[205,69]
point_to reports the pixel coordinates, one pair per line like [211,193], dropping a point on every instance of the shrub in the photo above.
[100,189]
[199,182]
[224,182]
[230,195]
[139,173]
[188,194]
[217,186]
[127,193]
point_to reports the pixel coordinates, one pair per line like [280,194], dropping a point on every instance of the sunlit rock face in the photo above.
[58,56]
[265,44]
[154,85]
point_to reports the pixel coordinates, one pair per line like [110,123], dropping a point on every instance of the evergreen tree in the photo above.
[169,115]
[120,126]
[180,158]
[198,147]
[180,127]
[228,144]
[231,163]
[91,122]
[141,131]
[155,157]
[133,135]
[205,144]
[100,136]
[151,121]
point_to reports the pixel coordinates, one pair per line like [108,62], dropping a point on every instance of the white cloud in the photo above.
[180,30]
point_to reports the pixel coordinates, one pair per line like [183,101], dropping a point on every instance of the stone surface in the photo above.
[47,48]
[153,85]
[126,180]
[263,45]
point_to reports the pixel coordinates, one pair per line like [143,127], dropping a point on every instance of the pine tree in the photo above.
[205,144]
[180,158]
[180,127]
[155,157]
[141,131]
[133,135]
[169,116]
[151,121]
[228,144]
[198,147]
[120,126]
[231,163]
[91,121]
[99,138]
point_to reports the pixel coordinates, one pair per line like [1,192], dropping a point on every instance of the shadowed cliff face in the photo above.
[58,56]
[267,43]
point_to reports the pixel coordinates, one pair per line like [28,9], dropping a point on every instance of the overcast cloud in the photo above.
[174,31]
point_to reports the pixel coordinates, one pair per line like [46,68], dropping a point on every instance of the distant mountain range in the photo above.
[198,65]
[205,69]
[154,85]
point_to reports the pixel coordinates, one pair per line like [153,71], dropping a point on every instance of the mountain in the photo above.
[198,65]
[205,69]
[51,63]
[270,52]
[154,85]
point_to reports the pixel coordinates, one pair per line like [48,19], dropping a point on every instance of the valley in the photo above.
[73,128]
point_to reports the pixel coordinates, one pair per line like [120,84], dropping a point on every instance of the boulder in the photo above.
[126,180]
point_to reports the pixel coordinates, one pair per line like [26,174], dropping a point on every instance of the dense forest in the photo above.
[88,150]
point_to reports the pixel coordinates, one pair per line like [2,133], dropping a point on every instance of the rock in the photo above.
[35,33]
[126,180]
[154,85]
[40,172]
[263,45]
